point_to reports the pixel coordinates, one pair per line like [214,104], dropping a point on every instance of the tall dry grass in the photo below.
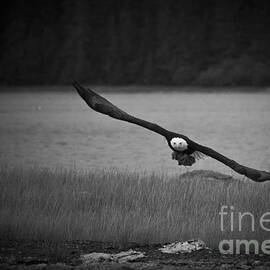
[122,206]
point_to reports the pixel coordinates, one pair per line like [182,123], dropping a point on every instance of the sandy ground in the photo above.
[66,255]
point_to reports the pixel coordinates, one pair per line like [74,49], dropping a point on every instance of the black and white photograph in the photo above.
[135,134]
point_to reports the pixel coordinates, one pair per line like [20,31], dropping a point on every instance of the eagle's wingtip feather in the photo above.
[264,176]
[83,92]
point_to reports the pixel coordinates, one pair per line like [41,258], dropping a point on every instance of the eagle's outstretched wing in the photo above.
[253,174]
[102,105]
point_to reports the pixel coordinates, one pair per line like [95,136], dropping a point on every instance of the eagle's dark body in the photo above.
[183,157]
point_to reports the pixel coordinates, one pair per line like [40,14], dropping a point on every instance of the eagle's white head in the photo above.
[179,144]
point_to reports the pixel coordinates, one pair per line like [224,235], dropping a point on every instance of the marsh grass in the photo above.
[123,206]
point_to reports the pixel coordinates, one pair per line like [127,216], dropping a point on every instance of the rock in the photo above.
[184,247]
[243,266]
[95,257]
[128,256]
[122,257]
[257,262]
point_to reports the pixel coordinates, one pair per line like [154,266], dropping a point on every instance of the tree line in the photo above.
[173,42]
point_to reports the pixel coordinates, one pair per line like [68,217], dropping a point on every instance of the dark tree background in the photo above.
[180,42]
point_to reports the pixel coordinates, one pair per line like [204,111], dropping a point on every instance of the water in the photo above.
[52,129]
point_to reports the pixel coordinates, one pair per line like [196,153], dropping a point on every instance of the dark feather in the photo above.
[102,105]
[253,174]
[198,155]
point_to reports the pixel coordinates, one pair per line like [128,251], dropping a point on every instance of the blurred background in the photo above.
[114,42]
[163,61]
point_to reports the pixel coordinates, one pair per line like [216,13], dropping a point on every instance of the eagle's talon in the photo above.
[183,159]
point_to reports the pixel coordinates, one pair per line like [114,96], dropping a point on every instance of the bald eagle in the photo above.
[185,151]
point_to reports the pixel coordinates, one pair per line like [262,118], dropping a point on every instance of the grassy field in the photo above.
[123,206]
